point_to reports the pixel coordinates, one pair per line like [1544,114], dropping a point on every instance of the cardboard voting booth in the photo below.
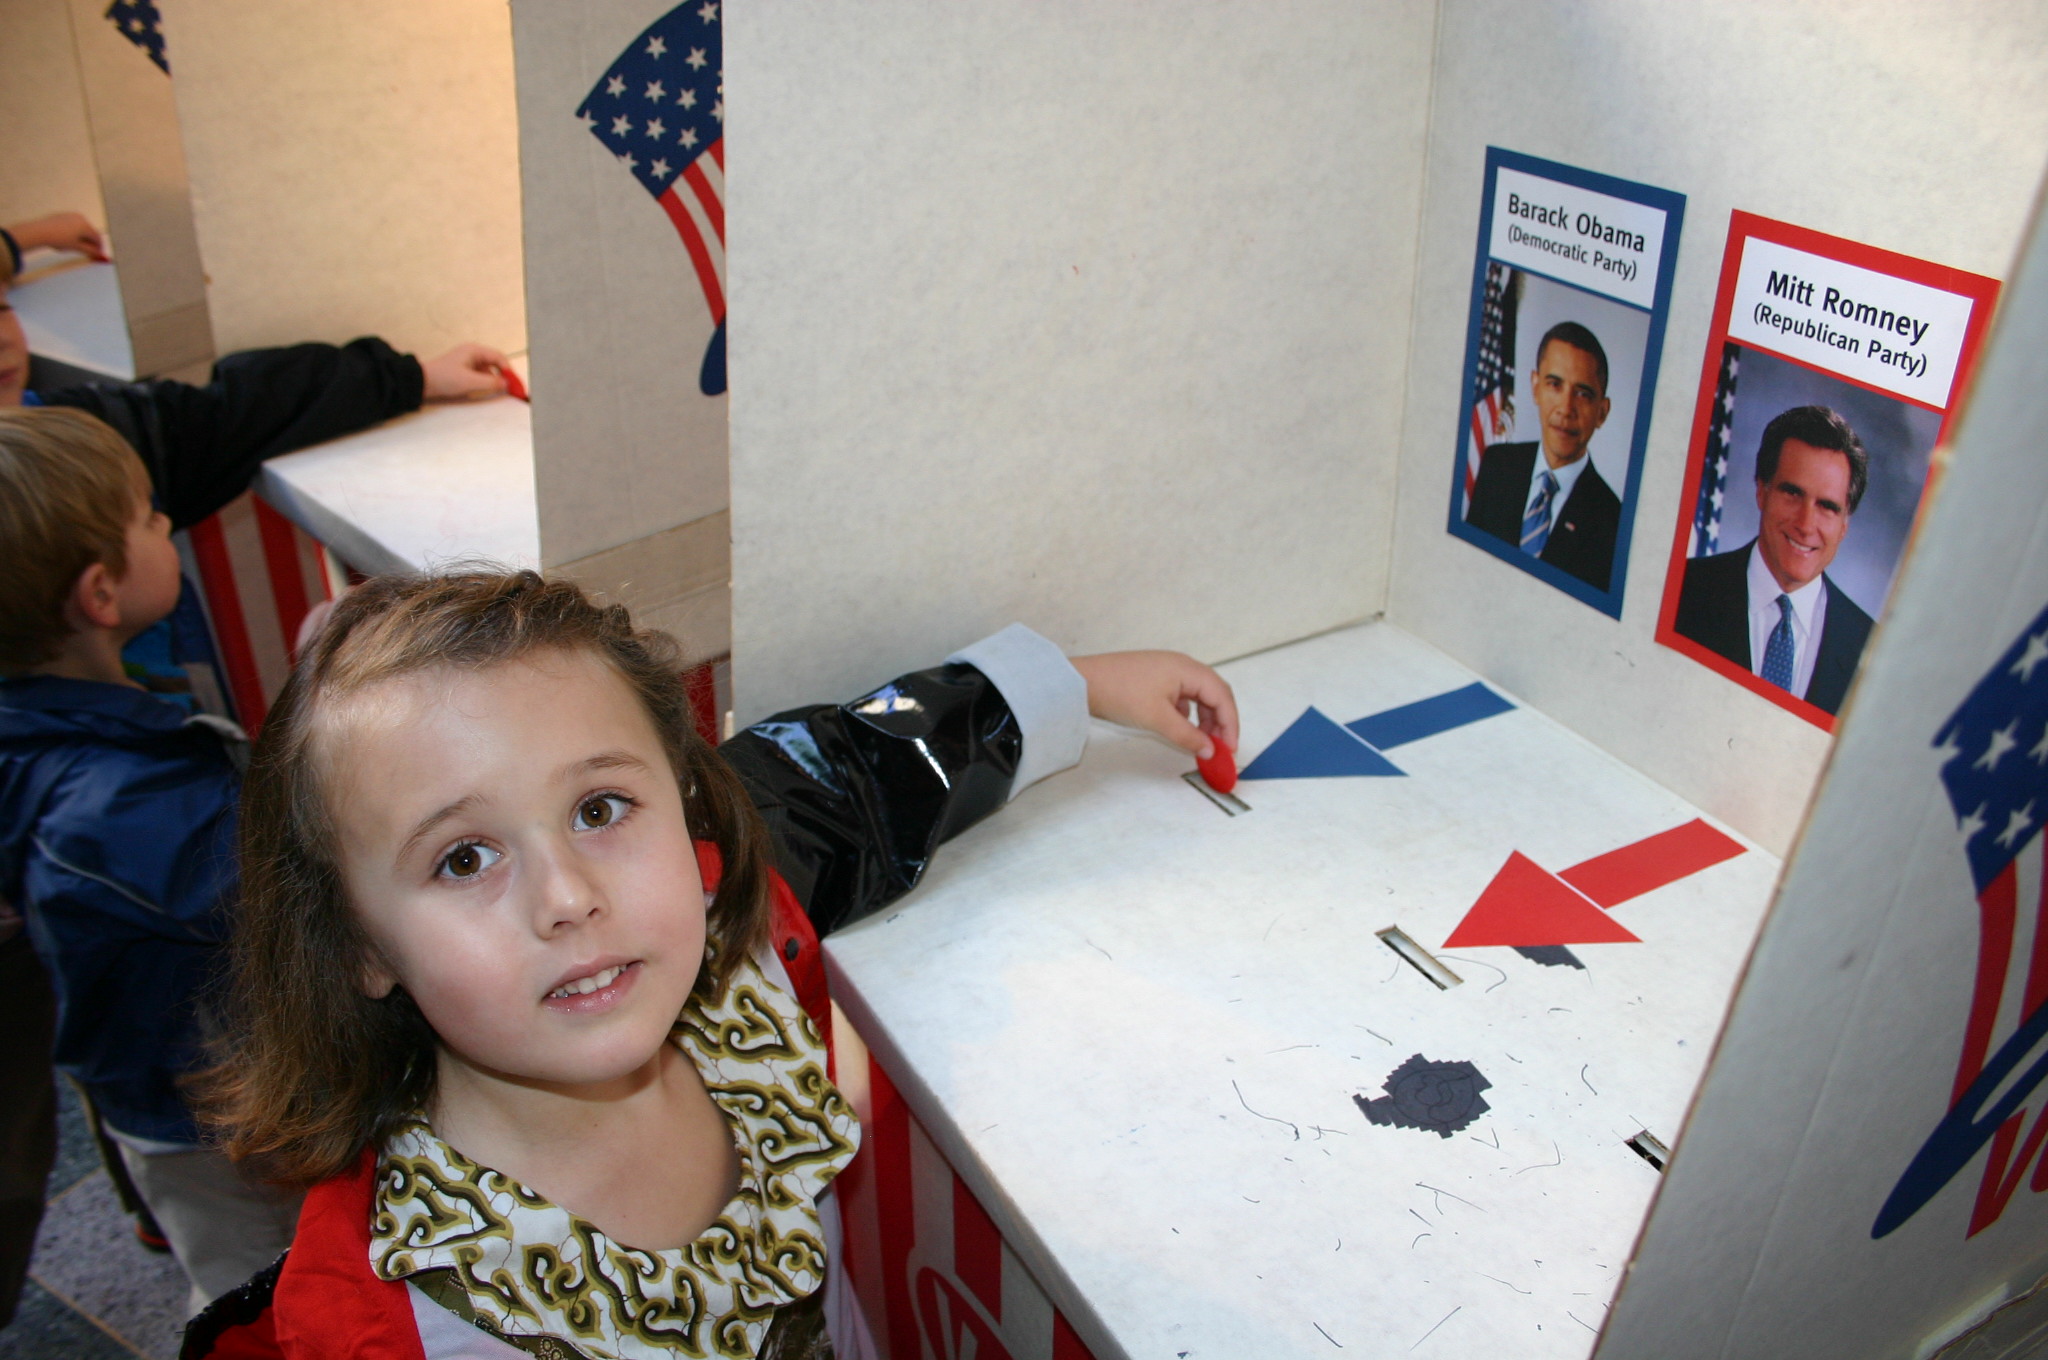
[1600,446]
[93,128]
[1600,1021]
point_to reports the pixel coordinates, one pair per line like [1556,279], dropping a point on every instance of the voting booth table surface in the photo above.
[1146,1036]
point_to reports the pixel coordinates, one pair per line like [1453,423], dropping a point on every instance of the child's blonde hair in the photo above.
[68,491]
[313,1069]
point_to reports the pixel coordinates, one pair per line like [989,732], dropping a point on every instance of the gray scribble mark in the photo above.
[1418,1238]
[1482,963]
[1495,1144]
[1099,949]
[1290,1048]
[1247,1105]
[1439,1322]
[1327,1337]
[1420,1219]
[1582,1322]
[1541,1165]
[1582,1077]
[1440,1204]
[1498,1280]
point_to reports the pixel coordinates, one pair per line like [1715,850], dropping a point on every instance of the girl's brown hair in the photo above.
[313,1070]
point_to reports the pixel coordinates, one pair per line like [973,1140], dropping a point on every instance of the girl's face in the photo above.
[512,840]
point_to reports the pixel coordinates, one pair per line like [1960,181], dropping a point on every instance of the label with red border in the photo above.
[1830,374]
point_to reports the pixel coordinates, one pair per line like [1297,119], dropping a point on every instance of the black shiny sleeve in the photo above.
[858,796]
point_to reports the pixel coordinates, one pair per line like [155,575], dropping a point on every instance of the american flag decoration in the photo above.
[1996,775]
[1493,387]
[661,110]
[140,24]
[1706,515]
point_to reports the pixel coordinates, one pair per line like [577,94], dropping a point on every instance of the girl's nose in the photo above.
[569,892]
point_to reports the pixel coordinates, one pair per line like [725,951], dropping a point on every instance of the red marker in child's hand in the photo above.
[513,387]
[1219,771]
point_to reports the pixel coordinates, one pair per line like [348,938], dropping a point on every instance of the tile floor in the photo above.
[93,1292]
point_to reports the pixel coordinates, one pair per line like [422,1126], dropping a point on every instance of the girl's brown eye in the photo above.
[596,812]
[465,862]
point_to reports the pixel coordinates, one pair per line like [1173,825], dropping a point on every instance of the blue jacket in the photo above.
[117,832]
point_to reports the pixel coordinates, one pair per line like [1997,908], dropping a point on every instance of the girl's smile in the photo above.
[594,989]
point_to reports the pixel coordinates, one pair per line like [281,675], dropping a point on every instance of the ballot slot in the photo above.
[1651,1149]
[1420,959]
[1231,804]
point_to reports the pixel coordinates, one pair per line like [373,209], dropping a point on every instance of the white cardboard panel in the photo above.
[73,314]
[49,165]
[1841,1053]
[1091,316]
[625,445]
[141,160]
[1871,122]
[446,483]
[354,169]
[1135,1027]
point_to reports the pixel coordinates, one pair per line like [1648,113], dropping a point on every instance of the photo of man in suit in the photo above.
[1769,606]
[1558,508]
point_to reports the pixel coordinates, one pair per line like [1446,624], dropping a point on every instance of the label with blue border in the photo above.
[1571,286]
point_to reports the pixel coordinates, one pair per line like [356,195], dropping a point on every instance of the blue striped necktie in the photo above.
[1778,651]
[1536,524]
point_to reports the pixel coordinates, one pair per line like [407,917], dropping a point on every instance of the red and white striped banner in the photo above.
[258,574]
[935,1279]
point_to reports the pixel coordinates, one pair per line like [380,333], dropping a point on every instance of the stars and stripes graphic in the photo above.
[139,22]
[1713,494]
[660,110]
[1493,386]
[1995,772]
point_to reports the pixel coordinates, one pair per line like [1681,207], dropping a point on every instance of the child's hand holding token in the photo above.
[1152,691]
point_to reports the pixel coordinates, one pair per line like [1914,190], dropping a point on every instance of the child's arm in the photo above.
[203,445]
[858,796]
[68,231]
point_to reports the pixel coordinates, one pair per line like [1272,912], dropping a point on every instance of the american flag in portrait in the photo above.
[1713,491]
[660,110]
[1493,387]
[1996,777]
[140,24]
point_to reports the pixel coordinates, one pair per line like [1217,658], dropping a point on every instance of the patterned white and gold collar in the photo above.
[525,1268]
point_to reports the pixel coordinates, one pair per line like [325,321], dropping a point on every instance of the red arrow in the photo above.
[1526,906]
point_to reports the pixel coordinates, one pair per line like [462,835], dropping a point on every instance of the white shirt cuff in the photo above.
[1045,693]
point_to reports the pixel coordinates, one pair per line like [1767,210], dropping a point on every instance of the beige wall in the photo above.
[48,165]
[141,159]
[625,445]
[1093,316]
[354,168]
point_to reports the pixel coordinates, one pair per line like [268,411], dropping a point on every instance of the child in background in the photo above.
[117,818]
[520,994]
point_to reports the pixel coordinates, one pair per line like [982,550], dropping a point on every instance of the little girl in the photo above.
[520,996]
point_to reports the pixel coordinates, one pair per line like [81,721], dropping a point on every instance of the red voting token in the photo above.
[1219,771]
[513,387]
